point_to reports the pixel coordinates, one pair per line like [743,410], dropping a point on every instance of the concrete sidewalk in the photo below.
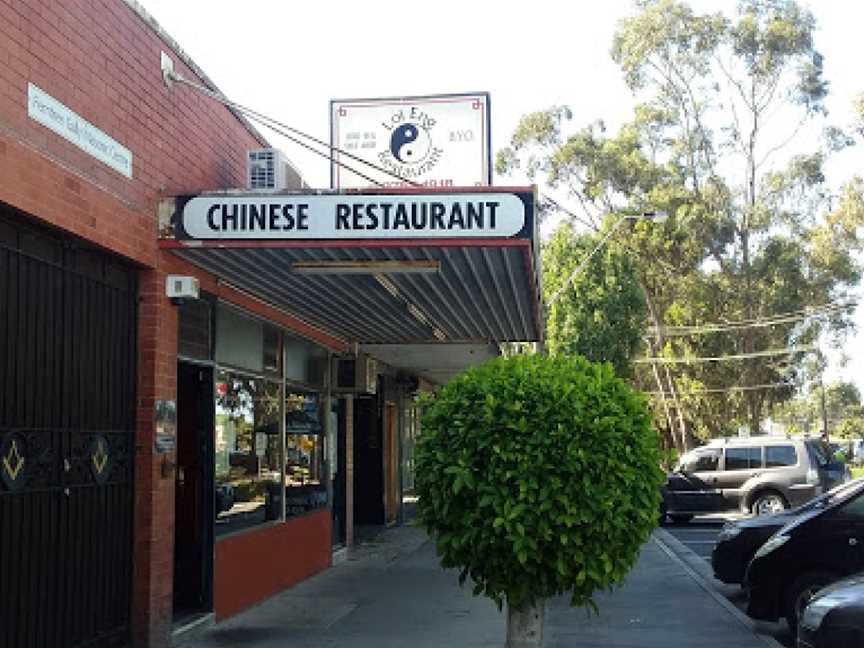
[391,593]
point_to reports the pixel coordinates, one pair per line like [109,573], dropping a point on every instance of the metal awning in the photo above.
[388,287]
[436,363]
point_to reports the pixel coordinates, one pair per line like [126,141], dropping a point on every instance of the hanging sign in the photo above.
[434,141]
[355,216]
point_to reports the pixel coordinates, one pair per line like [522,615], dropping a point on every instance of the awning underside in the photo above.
[437,363]
[480,293]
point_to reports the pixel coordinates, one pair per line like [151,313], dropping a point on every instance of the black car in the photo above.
[834,618]
[738,542]
[817,548]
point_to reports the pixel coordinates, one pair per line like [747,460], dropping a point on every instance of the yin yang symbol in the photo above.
[409,143]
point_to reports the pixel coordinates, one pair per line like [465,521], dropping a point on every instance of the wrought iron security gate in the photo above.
[67,414]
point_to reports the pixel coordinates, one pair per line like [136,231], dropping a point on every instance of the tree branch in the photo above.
[782,144]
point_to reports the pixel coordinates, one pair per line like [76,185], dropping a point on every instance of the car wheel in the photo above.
[661,518]
[799,593]
[769,503]
[681,519]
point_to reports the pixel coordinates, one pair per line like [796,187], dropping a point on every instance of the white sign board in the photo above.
[440,141]
[49,112]
[345,216]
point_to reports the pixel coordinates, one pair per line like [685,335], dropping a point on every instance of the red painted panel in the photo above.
[254,566]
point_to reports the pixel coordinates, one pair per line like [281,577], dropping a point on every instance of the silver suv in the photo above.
[762,475]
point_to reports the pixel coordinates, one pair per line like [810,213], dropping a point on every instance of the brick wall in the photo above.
[102,60]
[255,565]
[154,494]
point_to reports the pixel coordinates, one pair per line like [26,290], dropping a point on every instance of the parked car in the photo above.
[762,475]
[819,547]
[834,617]
[738,541]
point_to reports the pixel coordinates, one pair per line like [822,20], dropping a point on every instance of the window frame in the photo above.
[784,445]
[702,452]
[747,449]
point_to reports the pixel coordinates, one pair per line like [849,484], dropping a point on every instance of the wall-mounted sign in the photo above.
[49,112]
[354,216]
[435,141]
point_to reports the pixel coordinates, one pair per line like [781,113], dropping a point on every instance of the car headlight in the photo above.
[773,544]
[729,532]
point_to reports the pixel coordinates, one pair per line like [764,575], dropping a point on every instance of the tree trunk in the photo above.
[525,625]
[680,434]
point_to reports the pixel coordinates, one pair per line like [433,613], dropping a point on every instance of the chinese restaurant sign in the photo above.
[355,216]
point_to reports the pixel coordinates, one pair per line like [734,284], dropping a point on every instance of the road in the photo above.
[699,536]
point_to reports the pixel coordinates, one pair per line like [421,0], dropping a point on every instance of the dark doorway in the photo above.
[67,439]
[368,463]
[193,494]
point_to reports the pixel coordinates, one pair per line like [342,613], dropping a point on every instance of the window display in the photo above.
[270,438]
[248,449]
[305,489]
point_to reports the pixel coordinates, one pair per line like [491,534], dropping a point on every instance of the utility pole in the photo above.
[824,409]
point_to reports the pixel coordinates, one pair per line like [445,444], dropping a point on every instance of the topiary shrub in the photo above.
[538,476]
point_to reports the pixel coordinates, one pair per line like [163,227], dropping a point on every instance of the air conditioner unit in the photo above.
[358,375]
[268,168]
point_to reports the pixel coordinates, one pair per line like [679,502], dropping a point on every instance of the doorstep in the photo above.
[190,626]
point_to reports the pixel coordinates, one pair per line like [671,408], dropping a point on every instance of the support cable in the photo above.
[284,130]
[783,318]
[739,356]
[725,390]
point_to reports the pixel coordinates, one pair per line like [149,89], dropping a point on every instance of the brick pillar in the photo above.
[152,598]
[349,470]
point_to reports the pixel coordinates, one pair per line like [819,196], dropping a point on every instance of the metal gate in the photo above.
[67,415]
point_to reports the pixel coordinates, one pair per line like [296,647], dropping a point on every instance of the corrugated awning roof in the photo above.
[478,288]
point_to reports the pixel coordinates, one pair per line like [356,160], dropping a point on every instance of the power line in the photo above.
[724,390]
[269,123]
[312,149]
[739,356]
[784,318]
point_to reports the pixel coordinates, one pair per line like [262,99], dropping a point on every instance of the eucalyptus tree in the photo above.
[599,310]
[730,137]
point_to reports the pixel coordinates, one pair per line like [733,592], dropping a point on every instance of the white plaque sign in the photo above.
[347,216]
[439,141]
[49,112]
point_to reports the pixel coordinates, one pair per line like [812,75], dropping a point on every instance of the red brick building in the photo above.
[107,388]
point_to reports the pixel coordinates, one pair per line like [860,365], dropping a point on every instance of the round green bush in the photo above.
[538,476]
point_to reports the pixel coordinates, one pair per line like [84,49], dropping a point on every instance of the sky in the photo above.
[289,59]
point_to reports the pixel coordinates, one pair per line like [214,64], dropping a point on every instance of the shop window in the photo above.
[272,358]
[305,487]
[195,329]
[248,451]
[297,360]
[239,340]
[305,363]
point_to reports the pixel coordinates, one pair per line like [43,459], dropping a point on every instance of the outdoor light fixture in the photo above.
[366,267]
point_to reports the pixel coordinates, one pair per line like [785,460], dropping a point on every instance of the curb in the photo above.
[701,572]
